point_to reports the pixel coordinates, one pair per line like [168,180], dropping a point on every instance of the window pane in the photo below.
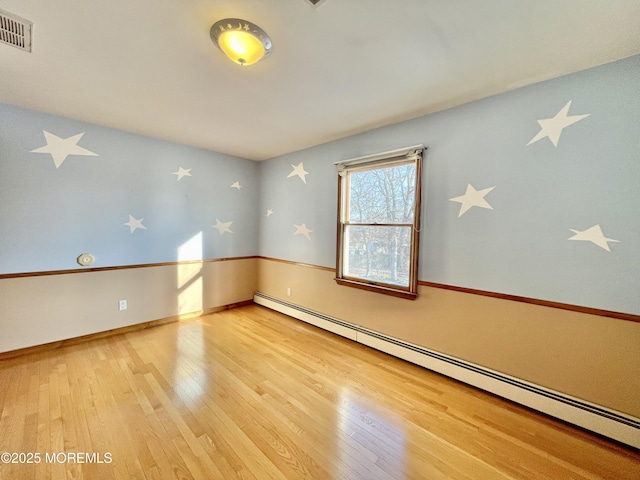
[382,195]
[378,254]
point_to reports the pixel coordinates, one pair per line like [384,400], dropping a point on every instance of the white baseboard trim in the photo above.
[604,421]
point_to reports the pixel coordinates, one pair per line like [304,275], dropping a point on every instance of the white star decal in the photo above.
[298,170]
[302,230]
[269,212]
[595,235]
[182,172]
[134,224]
[552,127]
[472,198]
[61,148]
[223,227]
[236,185]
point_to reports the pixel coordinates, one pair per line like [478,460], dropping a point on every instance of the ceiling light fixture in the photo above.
[243,42]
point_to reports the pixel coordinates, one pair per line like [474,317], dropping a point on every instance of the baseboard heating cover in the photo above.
[604,421]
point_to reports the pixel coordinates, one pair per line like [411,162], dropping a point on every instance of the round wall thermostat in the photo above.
[85,259]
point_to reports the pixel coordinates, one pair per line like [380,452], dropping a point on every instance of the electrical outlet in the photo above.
[122,304]
[288,292]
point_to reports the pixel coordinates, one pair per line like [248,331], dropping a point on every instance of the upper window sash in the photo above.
[402,208]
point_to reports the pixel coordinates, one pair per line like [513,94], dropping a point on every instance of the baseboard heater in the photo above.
[610,423]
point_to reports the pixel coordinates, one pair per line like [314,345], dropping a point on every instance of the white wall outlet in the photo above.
[122,305]
[288,292]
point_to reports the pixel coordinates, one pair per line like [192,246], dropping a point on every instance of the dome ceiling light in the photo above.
[243,42]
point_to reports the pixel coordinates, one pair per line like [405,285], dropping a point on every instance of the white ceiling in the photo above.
[343,67]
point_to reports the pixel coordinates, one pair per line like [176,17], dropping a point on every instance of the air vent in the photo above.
[15,31]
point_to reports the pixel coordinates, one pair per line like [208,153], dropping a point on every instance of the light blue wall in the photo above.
[49,215]
[541,192]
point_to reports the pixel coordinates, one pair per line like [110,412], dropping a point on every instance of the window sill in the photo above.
[378,288]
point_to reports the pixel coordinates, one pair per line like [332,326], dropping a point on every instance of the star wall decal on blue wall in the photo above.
[594,235]
[302,230]
[222,227]
[182,172]
[299,171]
[552,127]
[134,224]
[60,148]
[472,198]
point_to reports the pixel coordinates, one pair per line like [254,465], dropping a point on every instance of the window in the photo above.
[379,222]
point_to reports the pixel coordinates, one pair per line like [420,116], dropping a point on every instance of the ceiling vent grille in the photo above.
[15,31]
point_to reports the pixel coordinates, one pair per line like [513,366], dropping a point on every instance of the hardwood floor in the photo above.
[249,393]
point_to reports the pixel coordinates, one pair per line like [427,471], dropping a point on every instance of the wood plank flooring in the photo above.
[252,394]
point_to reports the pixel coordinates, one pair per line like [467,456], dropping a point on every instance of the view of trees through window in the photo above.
[378,227]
